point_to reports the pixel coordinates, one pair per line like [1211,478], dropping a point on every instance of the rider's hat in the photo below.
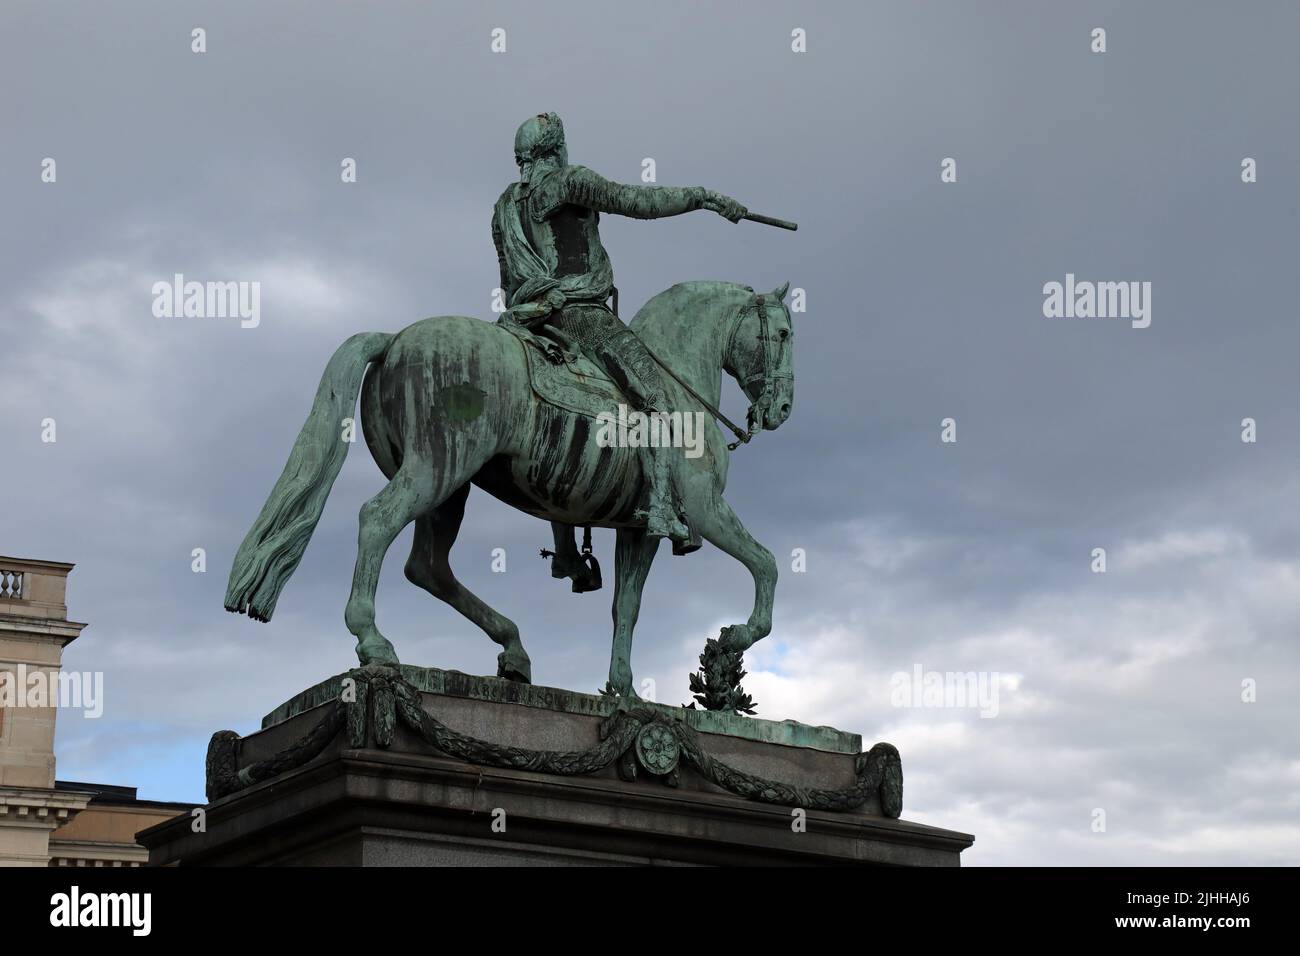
[538,136]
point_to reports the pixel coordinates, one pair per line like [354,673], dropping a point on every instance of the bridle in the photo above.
[767,373]
[768,364]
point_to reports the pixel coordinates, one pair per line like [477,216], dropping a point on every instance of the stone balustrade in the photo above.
[33,589]
[11,584]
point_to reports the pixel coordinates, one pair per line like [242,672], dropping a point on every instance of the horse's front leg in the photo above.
[633,555]
[721,528]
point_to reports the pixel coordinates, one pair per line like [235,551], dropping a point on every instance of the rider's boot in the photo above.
[661,518]
[584,576]
[566,562]
[632,367]
[691,542]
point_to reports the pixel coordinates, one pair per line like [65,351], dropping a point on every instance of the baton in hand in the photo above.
[770,221]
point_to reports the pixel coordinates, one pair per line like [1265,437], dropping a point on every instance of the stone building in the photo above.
[44,821]
[103,833]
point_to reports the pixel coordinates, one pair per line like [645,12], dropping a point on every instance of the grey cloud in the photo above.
[924,302]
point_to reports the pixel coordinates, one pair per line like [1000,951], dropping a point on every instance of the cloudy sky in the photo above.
[1119,692]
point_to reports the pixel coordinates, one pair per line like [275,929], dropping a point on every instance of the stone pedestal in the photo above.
[382,794]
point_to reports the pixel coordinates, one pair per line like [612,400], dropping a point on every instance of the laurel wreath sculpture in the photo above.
[716,685]
[631,737]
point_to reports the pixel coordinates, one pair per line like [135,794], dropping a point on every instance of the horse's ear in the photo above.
[779,292]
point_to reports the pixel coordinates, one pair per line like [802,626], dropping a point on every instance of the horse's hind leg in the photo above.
[428,567]
[413,491]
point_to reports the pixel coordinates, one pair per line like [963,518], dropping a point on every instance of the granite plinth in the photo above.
[406,804]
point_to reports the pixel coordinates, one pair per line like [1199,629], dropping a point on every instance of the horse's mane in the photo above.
[684,300]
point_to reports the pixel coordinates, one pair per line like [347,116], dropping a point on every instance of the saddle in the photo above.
[564,376]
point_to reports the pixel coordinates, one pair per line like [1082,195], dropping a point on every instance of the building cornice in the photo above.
[39,808]
[90,853]
[35,564]
[57,631]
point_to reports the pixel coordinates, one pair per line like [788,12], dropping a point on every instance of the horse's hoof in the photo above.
[735,638]
[521,672]
[609,690]
[376,652]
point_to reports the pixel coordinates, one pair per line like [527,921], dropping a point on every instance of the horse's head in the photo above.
[760,356]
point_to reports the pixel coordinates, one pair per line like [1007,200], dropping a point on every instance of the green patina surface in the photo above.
[461,403]
[449,402]
[455,684]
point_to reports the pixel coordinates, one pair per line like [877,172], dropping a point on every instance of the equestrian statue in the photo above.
[515,407]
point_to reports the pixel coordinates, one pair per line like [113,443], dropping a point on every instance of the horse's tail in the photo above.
[274,545]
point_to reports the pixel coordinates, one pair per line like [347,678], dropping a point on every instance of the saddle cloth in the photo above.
[576,384]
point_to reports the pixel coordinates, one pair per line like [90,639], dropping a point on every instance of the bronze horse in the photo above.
[447,403]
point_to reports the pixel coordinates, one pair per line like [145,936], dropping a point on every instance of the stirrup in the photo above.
[585,574]
[588,578]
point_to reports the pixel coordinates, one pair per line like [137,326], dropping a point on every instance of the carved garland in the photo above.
[630,736]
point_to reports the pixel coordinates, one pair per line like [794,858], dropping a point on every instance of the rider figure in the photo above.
[554,268]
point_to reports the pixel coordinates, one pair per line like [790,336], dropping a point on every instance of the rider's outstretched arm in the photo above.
[583,187]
